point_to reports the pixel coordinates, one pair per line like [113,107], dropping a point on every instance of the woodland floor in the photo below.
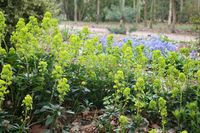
[182,34]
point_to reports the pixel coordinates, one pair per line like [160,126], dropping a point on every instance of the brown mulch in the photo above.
[84,122]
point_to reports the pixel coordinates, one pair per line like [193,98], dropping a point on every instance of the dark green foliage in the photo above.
[114,14]
[120,30]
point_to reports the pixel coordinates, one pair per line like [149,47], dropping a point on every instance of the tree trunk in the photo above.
[75,10]
[122,19]
[181,6]
[152,15]
[181,10]
[198,4]
[135,9]
[134,4]
[154,10]
[138,11]
[145,13]
[122,6]
[65,4]
[98,11]
[173,16]
[170,12]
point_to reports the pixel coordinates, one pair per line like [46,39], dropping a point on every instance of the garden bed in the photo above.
[141,84]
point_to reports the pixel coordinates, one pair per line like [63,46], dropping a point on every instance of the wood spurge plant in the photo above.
[27,103]
[127,87]
[5,81]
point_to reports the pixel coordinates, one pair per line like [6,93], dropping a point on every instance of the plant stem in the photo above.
[53,90]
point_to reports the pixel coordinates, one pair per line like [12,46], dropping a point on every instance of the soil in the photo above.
[84,122]
[101,31]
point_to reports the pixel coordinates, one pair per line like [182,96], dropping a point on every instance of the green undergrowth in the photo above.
[43,80]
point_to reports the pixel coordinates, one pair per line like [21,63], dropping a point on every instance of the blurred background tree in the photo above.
[148,12]
[134,10]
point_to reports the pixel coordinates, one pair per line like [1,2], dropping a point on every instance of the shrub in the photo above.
[114,14]
[120,30]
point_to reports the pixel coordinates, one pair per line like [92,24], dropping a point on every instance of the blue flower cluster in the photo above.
[152,43]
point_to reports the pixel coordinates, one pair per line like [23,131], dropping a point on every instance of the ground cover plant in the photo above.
[46,81]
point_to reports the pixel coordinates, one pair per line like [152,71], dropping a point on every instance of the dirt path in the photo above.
[104,31]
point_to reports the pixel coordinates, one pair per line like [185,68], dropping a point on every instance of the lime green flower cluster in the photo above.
[161,67]
[163,111]
[123,122]
[182,77]
[2,53]
[182,82]
[5,81]
[127,54]
[3,91]
[120,84]
[184,131]
[23,36]
[84,32]
[153,131]
[122,93]
[27,37]
[185,51]
[139,100]
[156,54]
[119,81]
[2,26]
[75,41]
[48,23]
[153,104]
[157,85]
[42,67]
[178,113]
[27,102]
[158,64]
[62,88]
[178,92]
[193,110]
[109,40]
[138,71]
[57,42]
[90,47]
[139,57]
[6,74]
[172,58]
[64,58]
[172,77]
[198,77]
[57,72]
[188,66]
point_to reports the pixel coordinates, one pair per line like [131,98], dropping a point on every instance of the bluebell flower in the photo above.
[151,43]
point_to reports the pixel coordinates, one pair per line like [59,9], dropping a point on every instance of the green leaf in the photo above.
[49,120]
[64,131]
[48,131]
